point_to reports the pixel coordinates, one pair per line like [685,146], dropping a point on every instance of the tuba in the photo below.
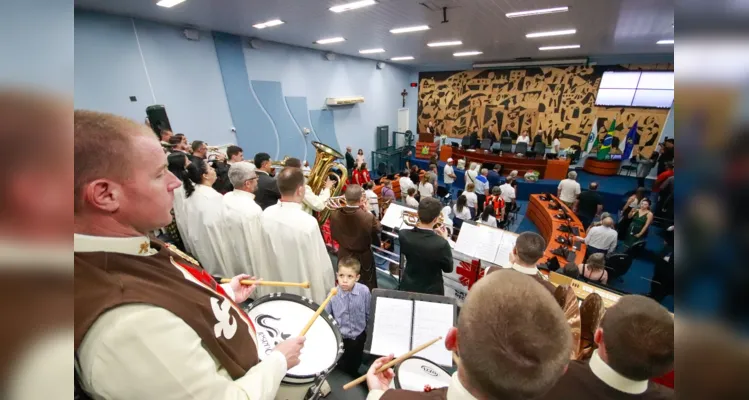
[325,163]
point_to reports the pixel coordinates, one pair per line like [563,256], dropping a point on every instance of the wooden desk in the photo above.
[582,289]
[602,167]
[549,169]
[543,217]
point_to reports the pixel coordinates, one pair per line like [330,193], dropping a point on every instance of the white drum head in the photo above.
[280,316]
[416,373]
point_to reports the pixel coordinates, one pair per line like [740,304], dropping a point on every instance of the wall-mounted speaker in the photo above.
[157,118]
[380,65]
[330,56]
[191,34]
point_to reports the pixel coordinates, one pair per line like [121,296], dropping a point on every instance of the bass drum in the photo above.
[418,373]
[279,316]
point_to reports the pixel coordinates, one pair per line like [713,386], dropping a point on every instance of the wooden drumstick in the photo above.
[393,362]
[319,311]
[249,282]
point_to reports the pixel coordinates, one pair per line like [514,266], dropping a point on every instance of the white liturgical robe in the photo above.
[296,251]
[314,202]
[242,229]
[203,210]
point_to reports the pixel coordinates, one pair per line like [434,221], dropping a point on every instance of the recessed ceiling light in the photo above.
[568,46]
[404,58]
[352,6]
[410,29]
[467,53]
[330,40]
[665,41]
[267,24]
[537,12]
[551,33]
[169,3]
[440,44]
[371,51]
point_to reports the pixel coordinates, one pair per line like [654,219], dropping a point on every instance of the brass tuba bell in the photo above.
[322,169]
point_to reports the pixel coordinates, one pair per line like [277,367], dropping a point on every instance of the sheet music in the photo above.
[393,217]
[430,321]
[488,243]
[467,239]
[505,248]
[391,333]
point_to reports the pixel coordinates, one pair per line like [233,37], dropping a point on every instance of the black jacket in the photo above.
[350,162]
[267,193]
[425,256]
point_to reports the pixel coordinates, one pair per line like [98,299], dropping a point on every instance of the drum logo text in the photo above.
[429,370]
[271,334]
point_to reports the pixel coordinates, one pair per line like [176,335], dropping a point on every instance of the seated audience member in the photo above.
[387,189]
[640,220]
[570,269]
[602,239]
[426,250]
[594,269]
[511,342]
[350,308]
[461,209]
[471,199]
[426,189]
[494,177]
[635,344]
[589,204]
[410,199]
[405,184]
[487,217]
[372,202]
[496,202]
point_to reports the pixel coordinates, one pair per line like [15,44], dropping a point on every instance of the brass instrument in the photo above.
[279,164]
[322,169]
[411,218]
[334,203]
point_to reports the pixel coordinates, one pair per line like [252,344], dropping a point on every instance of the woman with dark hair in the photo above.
[361,175]
[461,210]
[359,158]
[177,164]
[487,217]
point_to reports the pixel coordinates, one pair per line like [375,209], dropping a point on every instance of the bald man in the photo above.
[601,239]
[356,229]
[151,323]
[512,342]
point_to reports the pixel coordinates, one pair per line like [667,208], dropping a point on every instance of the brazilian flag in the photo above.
[605,148]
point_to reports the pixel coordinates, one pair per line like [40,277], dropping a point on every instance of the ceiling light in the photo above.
[537,12]
[665,41]
[371,51]
[330,40]
[352,6]
[169,3]
[410,29]
[267,24]
[404,58]
[467,53]
[551,33]
[569,46]
[440,44]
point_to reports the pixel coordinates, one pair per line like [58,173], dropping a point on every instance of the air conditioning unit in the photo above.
[342,101]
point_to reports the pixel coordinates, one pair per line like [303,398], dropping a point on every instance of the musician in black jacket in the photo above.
[267,193]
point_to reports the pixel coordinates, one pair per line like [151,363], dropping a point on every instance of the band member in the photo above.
[241,223]
[425,251]
[635,344]
[511,343]
[293,243]
[312,202]
[528,250]
[138,303]
[267,193]
[355,229]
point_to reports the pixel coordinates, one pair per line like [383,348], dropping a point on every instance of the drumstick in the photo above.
[249,282]
[398,360]
[319,311]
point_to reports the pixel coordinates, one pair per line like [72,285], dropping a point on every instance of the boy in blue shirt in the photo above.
[350,308]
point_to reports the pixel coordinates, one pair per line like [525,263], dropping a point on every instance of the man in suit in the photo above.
[509,133]
[267,189]
[635,344]
[350,162]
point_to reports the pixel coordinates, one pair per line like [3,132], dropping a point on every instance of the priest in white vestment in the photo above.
[311,202]
[203,211]
[293,242]
[241,224]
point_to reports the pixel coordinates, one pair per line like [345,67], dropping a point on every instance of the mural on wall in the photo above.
[546,100]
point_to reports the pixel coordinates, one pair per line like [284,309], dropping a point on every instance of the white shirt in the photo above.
[570,189]
[554,146]
[241,227]
[455,391]
[508,193]
[490,221]
[405,183]
[140,351]
[313,202]
[426,189]
[614,379]
[471,199]
[602,238]
[465,215]
[372,201]
[521,139]
[448,171]
[471,177]
[203,210]
[296,251]
[412,202]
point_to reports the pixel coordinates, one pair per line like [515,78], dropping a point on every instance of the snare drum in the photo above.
[417,373]
[279,316]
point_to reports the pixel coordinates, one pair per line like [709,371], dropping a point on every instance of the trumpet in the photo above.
[279,164]
[335,203]
[411,218]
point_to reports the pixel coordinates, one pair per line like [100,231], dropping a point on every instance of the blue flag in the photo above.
[630,142]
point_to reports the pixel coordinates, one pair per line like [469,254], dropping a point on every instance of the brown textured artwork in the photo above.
[546,100]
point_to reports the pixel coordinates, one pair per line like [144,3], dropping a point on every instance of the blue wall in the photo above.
[183,75]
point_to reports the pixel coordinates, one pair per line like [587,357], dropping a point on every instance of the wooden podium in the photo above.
[426,137]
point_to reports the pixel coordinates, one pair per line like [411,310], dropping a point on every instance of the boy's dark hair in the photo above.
[351,263]
[571,270]
[411,191]
[232,150]
[429,209]
[260,158]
